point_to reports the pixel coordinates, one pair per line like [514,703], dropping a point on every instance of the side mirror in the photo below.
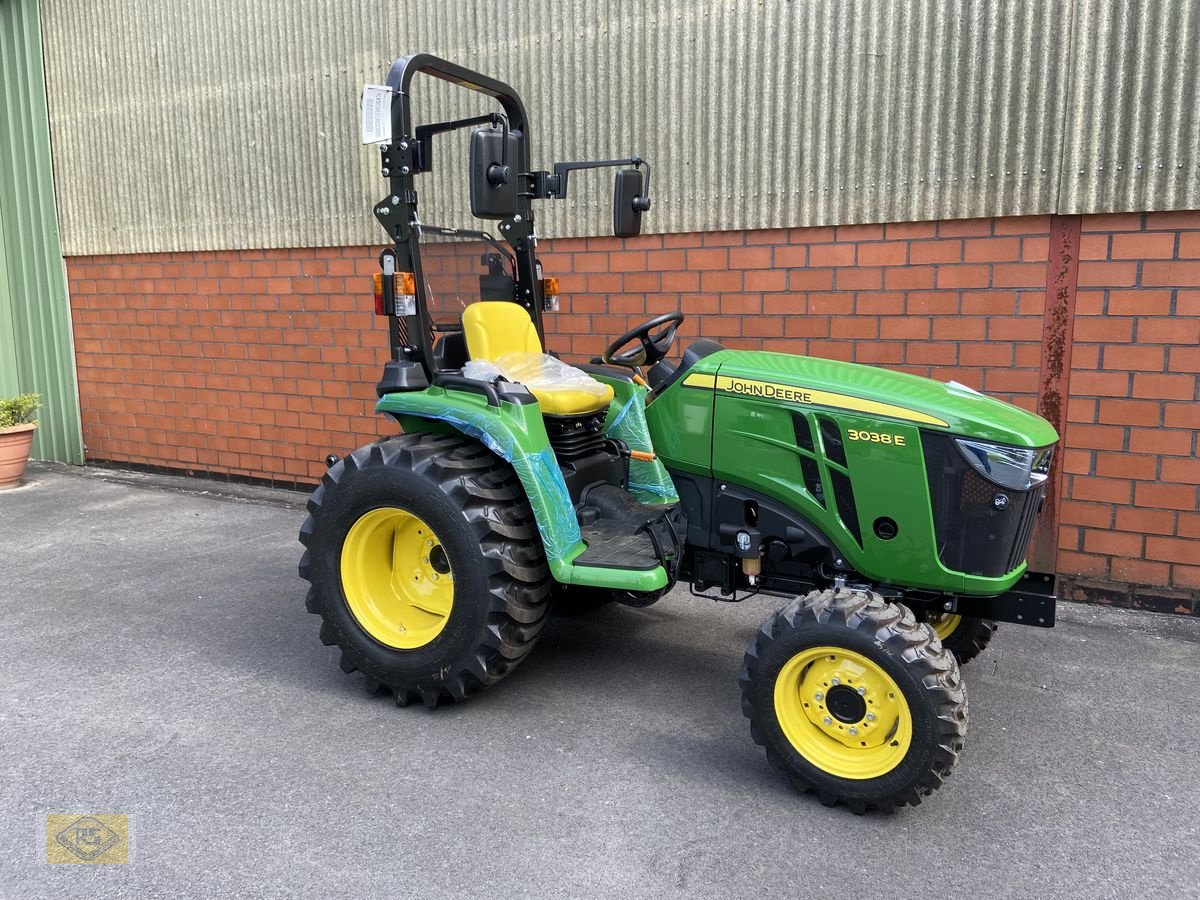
[628,203]
[493,168]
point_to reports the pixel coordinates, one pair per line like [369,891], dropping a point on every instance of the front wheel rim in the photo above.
[843,713]
[944,624]
[396,578]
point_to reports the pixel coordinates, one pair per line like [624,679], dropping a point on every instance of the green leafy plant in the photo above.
[20,410]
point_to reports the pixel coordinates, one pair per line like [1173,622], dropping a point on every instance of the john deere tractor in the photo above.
[891,514]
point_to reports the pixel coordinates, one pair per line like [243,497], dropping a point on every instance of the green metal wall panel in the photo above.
[36,349]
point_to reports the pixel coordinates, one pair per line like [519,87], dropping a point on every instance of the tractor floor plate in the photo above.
[613,545]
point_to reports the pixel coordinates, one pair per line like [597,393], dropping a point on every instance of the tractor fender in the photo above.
[514,432]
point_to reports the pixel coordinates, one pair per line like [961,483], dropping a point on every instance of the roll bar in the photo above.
[401,74]
[405,156]
[409,153]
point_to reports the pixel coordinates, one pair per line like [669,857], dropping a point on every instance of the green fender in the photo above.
[515,432]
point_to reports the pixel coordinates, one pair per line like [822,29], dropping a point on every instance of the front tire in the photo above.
[854,700]
[426,567]
[964,636]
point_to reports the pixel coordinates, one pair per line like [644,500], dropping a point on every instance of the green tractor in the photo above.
[892,513]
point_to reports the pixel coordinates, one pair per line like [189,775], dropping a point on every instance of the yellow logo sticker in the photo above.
[793,393]
[99,839]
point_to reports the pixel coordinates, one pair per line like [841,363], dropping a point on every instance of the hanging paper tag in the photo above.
[376,113]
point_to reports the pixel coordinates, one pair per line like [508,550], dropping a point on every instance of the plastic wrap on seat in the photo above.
[538,371]
[648,479]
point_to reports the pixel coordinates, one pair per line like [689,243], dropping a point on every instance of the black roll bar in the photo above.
[402,159]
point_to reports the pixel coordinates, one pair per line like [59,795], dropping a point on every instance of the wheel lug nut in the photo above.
[862,691]
[828,721]
[425,559]
[819,696]
[870,717]
[853,732]
[429,543]
[836,681]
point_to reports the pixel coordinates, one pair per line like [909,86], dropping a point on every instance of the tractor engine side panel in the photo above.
[681,426]
[859,478]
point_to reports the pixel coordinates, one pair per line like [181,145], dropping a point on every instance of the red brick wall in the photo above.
[247,363]
[258,363]
[1129,514]
[955,300]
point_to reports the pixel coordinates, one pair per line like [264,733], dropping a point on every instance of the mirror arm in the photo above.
[425,133]
[546,186]
[642,203]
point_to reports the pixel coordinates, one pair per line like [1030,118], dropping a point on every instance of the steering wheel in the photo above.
[654,344]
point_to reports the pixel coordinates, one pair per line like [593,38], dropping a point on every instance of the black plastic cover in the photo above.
[981,528]
[696,351]
[401,375]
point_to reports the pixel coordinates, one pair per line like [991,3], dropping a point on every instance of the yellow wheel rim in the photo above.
[943,624]
[843,713]
[396,578]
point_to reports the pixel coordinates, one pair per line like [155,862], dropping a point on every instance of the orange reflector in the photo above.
[550,287]
[377,283]
[406,283]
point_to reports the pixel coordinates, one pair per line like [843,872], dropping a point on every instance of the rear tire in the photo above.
[474,511]
[854,700]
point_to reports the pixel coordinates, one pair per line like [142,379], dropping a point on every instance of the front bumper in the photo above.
[1031,601]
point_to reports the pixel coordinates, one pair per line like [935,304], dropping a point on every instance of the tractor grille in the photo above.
[843,495]
[831,440]
[803,433]
[974,536]
[812,479]
[843,492]
[808,465]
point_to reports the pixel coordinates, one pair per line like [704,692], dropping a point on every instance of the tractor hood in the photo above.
[952,408]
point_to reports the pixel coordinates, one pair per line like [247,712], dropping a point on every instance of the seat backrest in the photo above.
[496,327]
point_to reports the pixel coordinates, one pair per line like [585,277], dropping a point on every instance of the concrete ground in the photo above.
[157,661]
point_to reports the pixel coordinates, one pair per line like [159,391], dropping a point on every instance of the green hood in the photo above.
[956,409]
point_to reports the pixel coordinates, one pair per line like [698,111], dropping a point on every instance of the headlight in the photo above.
[1016,468]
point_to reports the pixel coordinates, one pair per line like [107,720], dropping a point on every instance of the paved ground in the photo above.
[157,661]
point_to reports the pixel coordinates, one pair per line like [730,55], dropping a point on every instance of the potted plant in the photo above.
[18,419]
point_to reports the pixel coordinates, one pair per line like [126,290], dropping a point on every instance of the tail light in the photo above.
[550,294]
[401,299]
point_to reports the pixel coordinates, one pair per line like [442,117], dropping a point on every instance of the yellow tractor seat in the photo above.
[496,328]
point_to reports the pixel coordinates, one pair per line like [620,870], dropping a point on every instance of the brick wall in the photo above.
[1129,514]
[955,300]
[258,363]
[247,363]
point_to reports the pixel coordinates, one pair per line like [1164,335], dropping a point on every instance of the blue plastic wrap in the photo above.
[648,479]
[539,474]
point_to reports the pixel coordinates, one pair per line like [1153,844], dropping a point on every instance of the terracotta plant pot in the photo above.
[14,453]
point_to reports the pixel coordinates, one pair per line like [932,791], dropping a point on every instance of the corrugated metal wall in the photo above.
[234,124]
[1134,126]
[36,351]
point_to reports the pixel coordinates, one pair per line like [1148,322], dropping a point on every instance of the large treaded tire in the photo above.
[474,502]
[969,638]
[889,635]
